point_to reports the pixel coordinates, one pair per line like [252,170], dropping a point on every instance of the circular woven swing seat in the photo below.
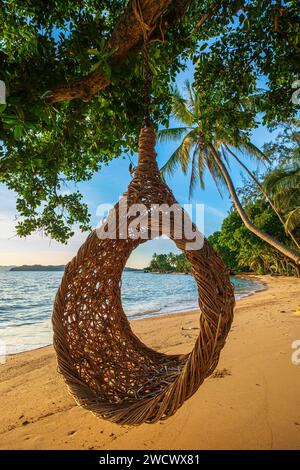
[108,370]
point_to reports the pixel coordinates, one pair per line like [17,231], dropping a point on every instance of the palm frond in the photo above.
[194,173]
[190,91]
[291,199]
[202,158]
[281,180]
[293,220]
[253,151]
[185,154]
[180,109]
[215,172]
[173,133]
[181,155]
[170,166]
[225,157]
[287,200]
[248,149]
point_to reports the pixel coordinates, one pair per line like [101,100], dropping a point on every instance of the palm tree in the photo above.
[197,151]
[265,189]
[284,186]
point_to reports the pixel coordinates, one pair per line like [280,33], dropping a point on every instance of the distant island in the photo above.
[39,267]
[6,268]
[134,269]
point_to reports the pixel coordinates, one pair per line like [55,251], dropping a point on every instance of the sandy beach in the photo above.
[251,402]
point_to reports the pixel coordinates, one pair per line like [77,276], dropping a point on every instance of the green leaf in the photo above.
[18,131]
[106,69]
[93,52]
[156,54]
[110,53]
[95,66]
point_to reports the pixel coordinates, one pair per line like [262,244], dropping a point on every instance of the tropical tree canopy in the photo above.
[283,183]
[280,180]
[164,263]
[242,250]
[284,186]
[73,76]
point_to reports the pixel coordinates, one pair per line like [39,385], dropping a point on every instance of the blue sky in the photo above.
[106,187]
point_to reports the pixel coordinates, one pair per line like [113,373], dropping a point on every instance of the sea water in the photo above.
[26,300]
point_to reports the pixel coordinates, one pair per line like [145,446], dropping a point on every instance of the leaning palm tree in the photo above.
[265,191]
[284,186]
[197,152]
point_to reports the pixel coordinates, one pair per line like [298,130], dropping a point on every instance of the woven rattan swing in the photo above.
[108,370]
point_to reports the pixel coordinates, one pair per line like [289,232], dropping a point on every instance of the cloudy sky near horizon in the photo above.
[106,187]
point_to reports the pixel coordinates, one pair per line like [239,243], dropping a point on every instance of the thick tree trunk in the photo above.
[127,36]
[263,193]
[292,254]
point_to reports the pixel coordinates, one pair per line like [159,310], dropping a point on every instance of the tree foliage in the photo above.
[164,263]
[284,186]
[281,180]
[243,251]
[257,55]
[240,249]
[44,146]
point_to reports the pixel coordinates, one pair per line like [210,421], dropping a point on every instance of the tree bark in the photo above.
[127,35]
[286,251]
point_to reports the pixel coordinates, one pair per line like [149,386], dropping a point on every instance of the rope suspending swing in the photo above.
[108,370]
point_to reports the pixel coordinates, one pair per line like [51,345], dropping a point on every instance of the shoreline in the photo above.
[252,400]
[177,312]
[167,311]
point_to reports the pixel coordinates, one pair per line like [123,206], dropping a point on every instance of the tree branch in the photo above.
[208,15]
[126,36]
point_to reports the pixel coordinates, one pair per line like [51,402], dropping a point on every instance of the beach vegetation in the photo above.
[242,250]
[169,263]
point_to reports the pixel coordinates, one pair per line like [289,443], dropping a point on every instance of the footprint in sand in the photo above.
[220,373]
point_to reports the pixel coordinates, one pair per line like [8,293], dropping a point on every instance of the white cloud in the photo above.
[34,249]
